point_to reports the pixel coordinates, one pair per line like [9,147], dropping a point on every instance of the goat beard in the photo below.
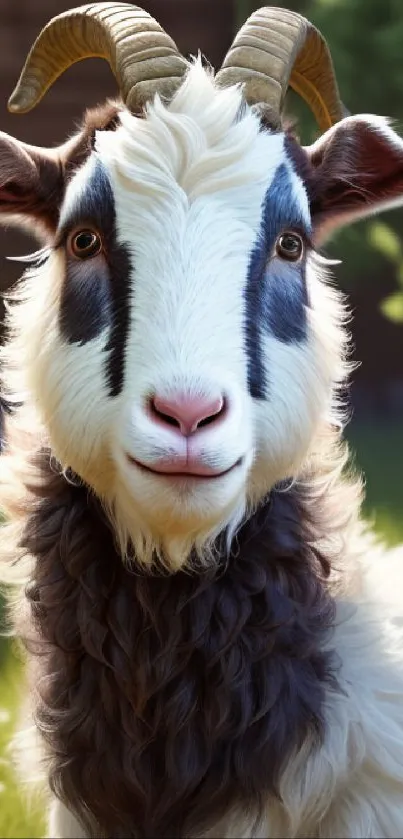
[169,542]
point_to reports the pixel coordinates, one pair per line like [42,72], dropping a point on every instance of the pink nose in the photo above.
[187,413]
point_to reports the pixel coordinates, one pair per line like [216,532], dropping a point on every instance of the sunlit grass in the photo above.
[16,822]
[379,452]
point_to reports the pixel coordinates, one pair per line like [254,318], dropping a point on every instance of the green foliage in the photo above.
[392,307]
[386,241]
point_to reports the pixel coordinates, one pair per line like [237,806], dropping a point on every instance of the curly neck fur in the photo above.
[164,695]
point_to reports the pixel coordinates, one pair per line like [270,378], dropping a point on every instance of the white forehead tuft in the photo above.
[205,141]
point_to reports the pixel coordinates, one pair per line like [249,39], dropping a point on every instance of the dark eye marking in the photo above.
[85,299]
[96,289]
[92,211]
[276,295]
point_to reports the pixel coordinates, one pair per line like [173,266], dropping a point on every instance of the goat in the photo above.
[210,649]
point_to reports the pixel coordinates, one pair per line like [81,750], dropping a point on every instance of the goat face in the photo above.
[179,344]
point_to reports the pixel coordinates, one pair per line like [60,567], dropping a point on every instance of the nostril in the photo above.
[213,417]
[170,420]
[186,413]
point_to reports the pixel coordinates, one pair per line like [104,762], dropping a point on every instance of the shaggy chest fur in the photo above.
[167,698]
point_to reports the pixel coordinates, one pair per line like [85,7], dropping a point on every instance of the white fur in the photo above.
[353,785]
[189,183]
[62,824]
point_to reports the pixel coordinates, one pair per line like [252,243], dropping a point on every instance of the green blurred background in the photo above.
[366,40]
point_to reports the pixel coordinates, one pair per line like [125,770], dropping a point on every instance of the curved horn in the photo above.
[143,58]
[276,48]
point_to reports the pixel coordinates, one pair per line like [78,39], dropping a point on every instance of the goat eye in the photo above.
[290,246]
[85,244]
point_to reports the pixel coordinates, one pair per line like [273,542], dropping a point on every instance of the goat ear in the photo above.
[356,170]
[31,183]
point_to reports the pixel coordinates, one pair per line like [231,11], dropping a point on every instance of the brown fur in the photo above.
[33,180]
[346,175]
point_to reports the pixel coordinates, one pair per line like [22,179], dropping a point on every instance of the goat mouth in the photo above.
[183,475]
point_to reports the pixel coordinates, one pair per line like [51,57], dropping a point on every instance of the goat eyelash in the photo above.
[36,259]
[323,261]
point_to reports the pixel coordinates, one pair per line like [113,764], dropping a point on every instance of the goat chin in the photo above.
[177,539]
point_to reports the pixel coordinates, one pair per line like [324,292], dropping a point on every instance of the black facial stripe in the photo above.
[121,268]
[96,292]
[257,379]
[85,300]
[284,302]
[276,296]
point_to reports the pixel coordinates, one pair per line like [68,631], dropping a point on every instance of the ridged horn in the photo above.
[275,49]
[143,58]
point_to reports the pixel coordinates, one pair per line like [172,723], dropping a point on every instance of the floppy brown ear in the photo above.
[33,179]
[355,170]
[31,183]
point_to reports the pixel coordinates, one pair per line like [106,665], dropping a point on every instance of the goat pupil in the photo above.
[289,246]
[84,240]
[86,243]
